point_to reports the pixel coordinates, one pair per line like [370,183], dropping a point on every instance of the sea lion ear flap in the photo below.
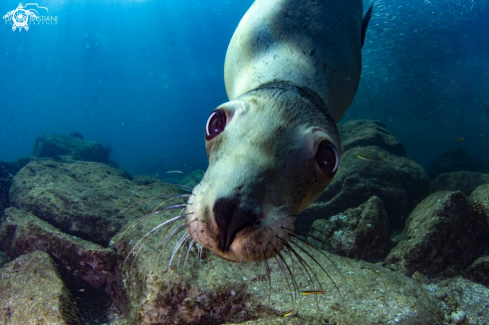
[365,21]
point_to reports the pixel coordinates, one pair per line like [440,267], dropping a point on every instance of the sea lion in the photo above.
[291,70]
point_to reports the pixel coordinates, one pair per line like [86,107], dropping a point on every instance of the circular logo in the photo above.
[20,17]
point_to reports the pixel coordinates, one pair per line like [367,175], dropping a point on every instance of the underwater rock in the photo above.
[84,199]
[461,296]
[399,182]
[441,232]
[142,180]
[479,271]
[479,199]
[364,133]
[462,181]
[68,149]
[21,233]
[215,291]
[32,293]
[456,160]
[7,173]
[361,232]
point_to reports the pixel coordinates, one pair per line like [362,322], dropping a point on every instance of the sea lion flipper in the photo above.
[365,21]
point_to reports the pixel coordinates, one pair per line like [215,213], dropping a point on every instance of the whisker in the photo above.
[163,242]
[165,183]
[188,251]
[181,172]
[293,295]
[177,247]
[167,239]
[179,217]
[303,233]
[269,275]
[149,215]
[149,234]
[305,267]
[294,283]
[312,246]
[301,261]
[157,197]
[316,261]
[199,249]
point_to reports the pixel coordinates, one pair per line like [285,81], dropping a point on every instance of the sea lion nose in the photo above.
[231,219]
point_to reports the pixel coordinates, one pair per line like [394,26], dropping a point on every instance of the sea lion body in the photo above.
[313,44]
[291,70]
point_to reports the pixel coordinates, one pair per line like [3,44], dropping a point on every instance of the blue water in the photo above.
[143,76]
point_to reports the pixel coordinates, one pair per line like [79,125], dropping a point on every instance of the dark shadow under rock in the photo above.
[84,199]
[456,160]
[443,231]
[6,176]
[69,148]
[364,133]
[32,293]
[462,181]
[399,182]
[3,258]
[361,232]
[21,233]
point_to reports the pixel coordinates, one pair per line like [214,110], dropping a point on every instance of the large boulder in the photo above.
[443,231]
[462,181]
[22,233]
[84,199]
[364,133]
[69,148]
[399,182]
[32,293]
[361,232]
[211,290]
[456,160]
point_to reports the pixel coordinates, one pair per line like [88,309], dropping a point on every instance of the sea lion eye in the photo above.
[327,157]
[215,124]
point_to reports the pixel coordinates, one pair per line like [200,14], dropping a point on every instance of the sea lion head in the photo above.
[271,152]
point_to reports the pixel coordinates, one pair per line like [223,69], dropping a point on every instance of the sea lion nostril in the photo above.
[231,218]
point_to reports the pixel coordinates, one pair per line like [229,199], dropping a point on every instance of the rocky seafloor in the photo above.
[385,243]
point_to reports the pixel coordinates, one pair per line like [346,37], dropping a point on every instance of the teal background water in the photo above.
[143,76]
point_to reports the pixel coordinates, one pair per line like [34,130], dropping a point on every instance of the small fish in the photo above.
[366,158]
[373,271]
[289,313]
[459,139]
[312,292]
